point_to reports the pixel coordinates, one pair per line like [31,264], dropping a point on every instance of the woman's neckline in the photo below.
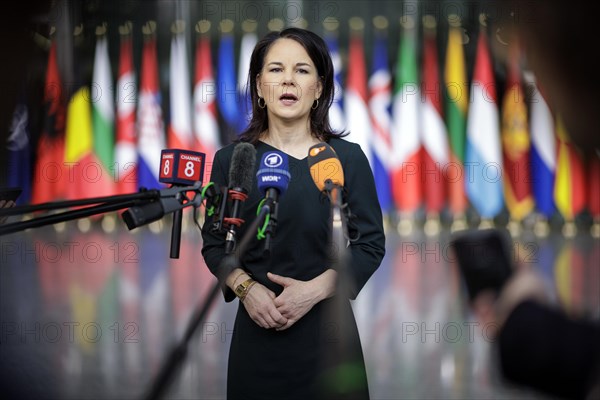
[289,155]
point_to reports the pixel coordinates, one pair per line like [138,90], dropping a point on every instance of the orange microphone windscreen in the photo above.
[325,165]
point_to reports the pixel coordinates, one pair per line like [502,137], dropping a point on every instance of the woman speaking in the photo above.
[286,325]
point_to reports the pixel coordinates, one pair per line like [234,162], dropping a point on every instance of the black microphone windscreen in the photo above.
[142,215]
[241,170]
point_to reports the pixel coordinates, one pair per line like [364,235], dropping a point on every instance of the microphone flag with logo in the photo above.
[273,177]
[181,167]
[324,166]
[273,174]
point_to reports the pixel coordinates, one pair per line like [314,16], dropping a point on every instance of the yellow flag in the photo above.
[79,127]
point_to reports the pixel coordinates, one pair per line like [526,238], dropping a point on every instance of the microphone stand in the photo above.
[144,197]
[176,230]
[339,233]
[272,203]
[103,205]
[100,205]
[340,353]
[178,354]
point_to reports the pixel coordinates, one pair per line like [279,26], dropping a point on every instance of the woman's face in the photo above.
[289,82]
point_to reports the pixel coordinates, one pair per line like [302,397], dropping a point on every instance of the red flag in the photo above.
[179,135]
[435,137]
[406,140]
[569,184]
[355,97]
[516,143]
[594,186]
[150,125]
[206,128]
[50,173]
[125,151]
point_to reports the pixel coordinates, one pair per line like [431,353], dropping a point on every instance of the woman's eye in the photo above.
[303,71]
[275,70]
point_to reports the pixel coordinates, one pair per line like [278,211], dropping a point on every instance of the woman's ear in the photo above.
[319,89]
[258,88]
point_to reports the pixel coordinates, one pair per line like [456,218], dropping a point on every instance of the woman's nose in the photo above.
[288,79]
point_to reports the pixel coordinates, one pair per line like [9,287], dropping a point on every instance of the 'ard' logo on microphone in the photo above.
[273,160]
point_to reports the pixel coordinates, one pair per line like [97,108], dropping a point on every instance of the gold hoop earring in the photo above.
[264,102]
[314,107]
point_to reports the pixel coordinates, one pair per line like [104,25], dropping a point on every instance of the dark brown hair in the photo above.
[319,54]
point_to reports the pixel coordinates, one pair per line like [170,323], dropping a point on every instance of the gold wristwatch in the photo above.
[242,289]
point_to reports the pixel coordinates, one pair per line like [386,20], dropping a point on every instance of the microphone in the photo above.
[183,170]
[273,178]
[167,201]
[326,171]
[328,175]
[180,167]
[240,182]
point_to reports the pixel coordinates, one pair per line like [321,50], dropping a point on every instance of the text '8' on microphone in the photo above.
[241,172]
[273,177]
[180,168]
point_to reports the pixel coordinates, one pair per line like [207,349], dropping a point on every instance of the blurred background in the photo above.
[459,131]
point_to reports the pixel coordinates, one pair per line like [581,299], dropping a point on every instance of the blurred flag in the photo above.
[546,252]
[180,127]
[154,298]
[206,127]
[227,97]
[103,118]
[19,152]
[336,111]
[516,143]
[569,184]
[433,130]
[86,177]
[380,100]
[408,283]
[249,40]
[110,356]
[543,154]
[355,99]
[594,186]
[569,275]
[129,301]
[483,153]
[50,173]
[593,277]
[125,151]
[151,135]
[89,275]
[53,273]
[457,100]
[184,283]
[406,146]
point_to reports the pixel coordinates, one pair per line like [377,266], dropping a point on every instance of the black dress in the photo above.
[321,354]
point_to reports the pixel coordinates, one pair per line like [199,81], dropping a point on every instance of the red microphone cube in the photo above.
[181,167]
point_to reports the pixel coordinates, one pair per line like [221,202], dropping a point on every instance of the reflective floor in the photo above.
[93,315]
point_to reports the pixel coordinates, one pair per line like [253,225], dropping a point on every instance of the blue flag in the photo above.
[336,111]
[380,102]
[543,154]
[227,95]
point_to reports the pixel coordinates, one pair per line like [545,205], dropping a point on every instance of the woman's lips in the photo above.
[288,99]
